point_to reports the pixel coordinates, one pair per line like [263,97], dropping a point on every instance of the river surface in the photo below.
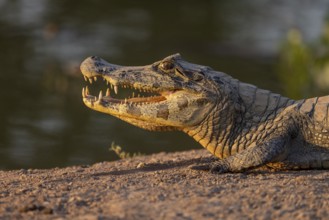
[43,122]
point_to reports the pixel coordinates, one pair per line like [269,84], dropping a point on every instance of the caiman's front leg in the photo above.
[268,151]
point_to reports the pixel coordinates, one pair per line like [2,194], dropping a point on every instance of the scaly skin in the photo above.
[243,125]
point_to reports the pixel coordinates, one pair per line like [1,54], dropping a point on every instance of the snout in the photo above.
[95,66]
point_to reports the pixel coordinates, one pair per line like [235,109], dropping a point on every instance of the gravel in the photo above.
[161,186]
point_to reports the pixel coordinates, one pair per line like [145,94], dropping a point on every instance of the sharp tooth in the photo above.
[116,89]
[87,90]
[111,86]
[133,94]
[83,92]
[125,101]
[95,78]
[91,81]
[107,92]
[86,79]
[100,96]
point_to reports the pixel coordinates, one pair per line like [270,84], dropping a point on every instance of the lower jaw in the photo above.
[147,99]
[112,104]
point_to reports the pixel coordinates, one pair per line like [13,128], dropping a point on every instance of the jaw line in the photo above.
[132,113]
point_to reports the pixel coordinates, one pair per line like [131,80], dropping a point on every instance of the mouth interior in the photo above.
[128,94]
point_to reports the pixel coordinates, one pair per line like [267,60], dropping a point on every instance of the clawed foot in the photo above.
[219,167]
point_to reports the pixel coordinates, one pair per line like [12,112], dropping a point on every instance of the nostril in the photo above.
[94,57]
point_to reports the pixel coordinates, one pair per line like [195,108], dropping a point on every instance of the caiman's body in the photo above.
[241,124]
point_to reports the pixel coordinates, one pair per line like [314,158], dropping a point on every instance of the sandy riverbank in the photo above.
[162,186]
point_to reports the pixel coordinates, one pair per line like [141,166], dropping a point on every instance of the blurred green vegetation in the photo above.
[121,153]
[304,67]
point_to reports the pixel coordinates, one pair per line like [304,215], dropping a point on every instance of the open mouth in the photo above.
[128,94]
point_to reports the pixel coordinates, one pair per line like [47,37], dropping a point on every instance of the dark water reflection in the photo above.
[43,122]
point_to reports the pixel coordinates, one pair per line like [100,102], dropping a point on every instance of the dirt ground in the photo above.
[162,186]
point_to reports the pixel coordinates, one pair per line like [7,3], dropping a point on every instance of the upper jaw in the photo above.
[143,78]
[95,66]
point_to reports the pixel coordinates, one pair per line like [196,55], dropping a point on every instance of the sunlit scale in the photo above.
[135,98]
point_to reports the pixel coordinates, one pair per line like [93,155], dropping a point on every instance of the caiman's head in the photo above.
[177,94]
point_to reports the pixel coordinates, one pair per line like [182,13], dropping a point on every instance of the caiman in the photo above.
[242,125]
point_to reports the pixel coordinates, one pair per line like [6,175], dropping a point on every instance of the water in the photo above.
[43,122]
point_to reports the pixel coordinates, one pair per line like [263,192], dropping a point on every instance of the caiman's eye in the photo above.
[166,65]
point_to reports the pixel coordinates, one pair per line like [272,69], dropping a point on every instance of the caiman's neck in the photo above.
[216,131]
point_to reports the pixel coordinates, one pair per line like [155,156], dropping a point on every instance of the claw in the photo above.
[204,167]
